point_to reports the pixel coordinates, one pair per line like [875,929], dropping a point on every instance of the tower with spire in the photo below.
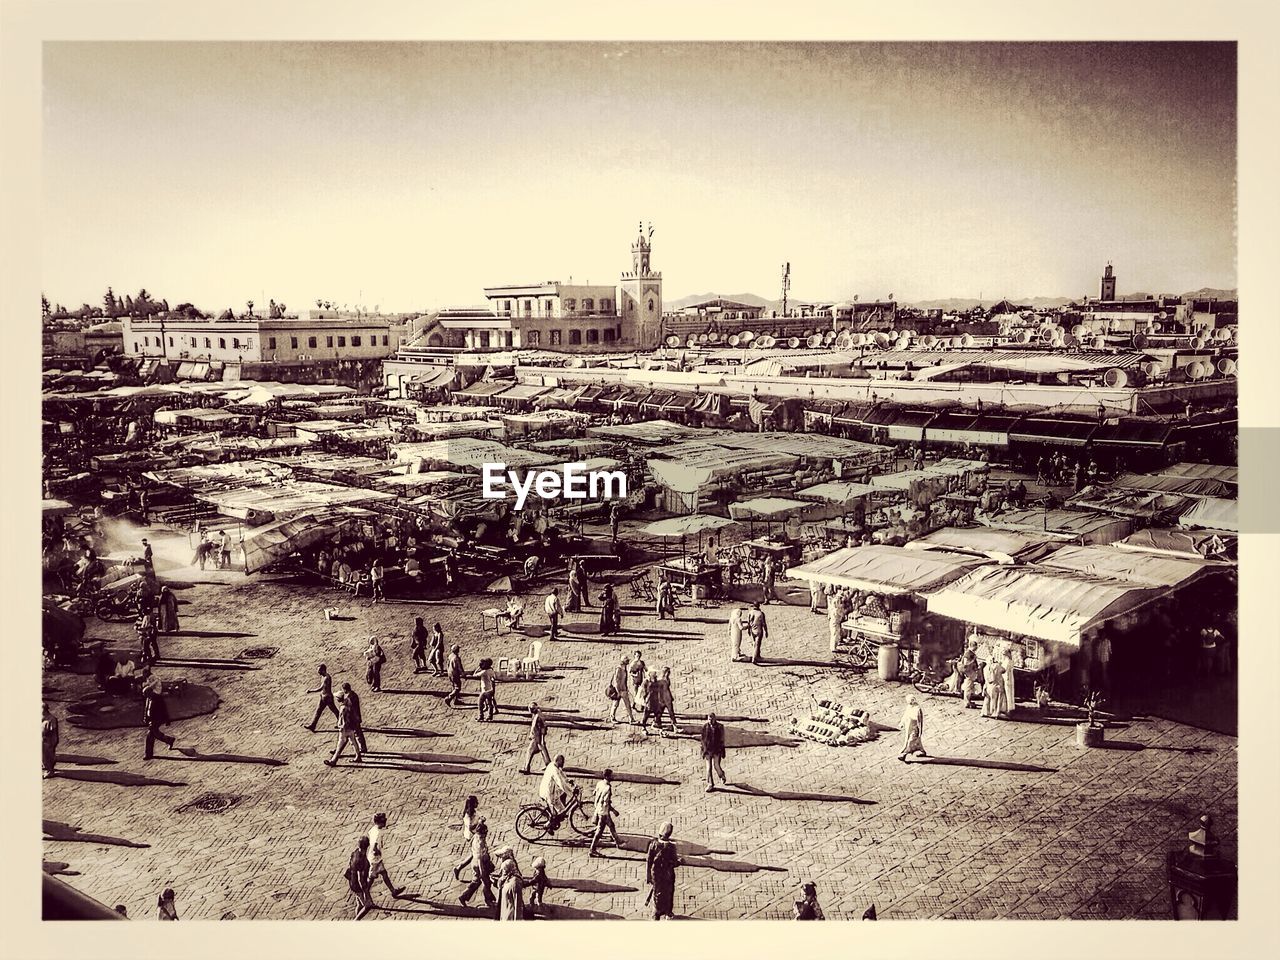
[640,294]
[1108,283]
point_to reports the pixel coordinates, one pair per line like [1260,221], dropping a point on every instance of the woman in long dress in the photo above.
[510,892]
[993,704]
[1006,664]
[660,872]
[610,620]
[168,606]
[912,725]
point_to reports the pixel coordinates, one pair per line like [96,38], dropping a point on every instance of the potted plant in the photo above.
[1089,733]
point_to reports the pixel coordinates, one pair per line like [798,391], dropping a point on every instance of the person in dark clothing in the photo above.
[155,713]
[660,872]
[148,635]
[436,652]
[48,742]
[713,750]
[326,698]
[456,673]
[356,716]
[615,515]
[807,908]
[418,645]
[610,612]
[357,875]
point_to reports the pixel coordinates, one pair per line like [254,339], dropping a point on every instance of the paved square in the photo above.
[1020,823]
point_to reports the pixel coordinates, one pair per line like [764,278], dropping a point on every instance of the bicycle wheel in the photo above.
[581,821]
[864,655]
[532,823]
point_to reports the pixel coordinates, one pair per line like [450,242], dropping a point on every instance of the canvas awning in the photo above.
[483,388]
[1133,433]
[1054,433]
[1004,546]
[1190,544]
[1080,526]
[1186,486]
[521,392]
[899,424]
[1059,606]
[761,508]
[275,541]
[1213,513]
[685,526]
[1209,471]
[1145,569]
[836,491]
[884,569]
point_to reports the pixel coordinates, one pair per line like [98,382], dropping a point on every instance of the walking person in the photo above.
[456,673]
[554,611]
[510,891]
[912,725]
[377,580]
[148,637]
[155,713]
[436,651]
[770,578]
[615,515]
[971,674]
[326,698]
[667,700]
[537,738]
[736,625]
[575,589]
[357,717]
[1006,668]
[377,852]
[579,575]
[636,672]
[166,905]
[470,818]
[488,703]
[49,736]
[147,555]
[538,883]
[348,732]
[610,612]
[817,594]
[837,610]
[374,658]
[224,549]
[481,866]
[758,627]
[418,645]
[604,813]
[621,685]
[651,698]
[357,875]
[666,600]
[167,610]
[660,872]
[807,907]
[713,751]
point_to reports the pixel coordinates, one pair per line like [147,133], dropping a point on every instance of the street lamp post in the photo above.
[1202,884]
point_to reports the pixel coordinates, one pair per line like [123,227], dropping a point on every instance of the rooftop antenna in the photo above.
[786,286]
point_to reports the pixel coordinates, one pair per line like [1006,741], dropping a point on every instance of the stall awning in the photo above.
[185,370]
[1133,433]
[631,399]
[276,541]
[1213,513]
[1059,606]
[483,388]
[836,491]
[1145,569]
[431,377]
[1186,486]
[1005,546]
[1054,433]
[898,423]
[1204,471]
[1082,526]
[521,391]
[884,569]
[1188,544]
[685,526]
[761,508]
[977,428]
[827,409]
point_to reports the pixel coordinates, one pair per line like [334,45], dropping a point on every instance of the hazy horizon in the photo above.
[411,175]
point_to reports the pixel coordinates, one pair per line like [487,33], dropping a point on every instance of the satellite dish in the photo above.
[703,338]
[746,336]
[1139,341]
[1024,336]
[691,342]
[881,340]
[967,341]
[1115,378]
[1079,330]
[902,344]
[734,339]
[1069,341]
[766,342]
[892,334]
[813,341]
[844,340]
[575,362]
[957,342]
[673,341]
[1197,370]
[1226,367]
[1197,343]
[793,342]
[929,342]
[1099,342]
[714,336]
[1222,334]
[830,337]
[1153,368]
[1046,335]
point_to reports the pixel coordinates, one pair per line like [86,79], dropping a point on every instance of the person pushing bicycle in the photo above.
[556,791]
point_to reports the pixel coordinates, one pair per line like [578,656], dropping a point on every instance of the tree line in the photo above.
[141,306]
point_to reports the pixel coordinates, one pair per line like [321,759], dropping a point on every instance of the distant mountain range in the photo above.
[951,304]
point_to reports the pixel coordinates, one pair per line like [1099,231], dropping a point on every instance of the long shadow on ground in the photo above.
[455,758]
[190,754]
[55,830]
[588,885]
[984,764]
[739,787]
[622,776]
[737,738]
[207,634]
[405,732]
[79,760]
[1132,745]
[118,777]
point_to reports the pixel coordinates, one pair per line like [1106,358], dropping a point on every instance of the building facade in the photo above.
[256,340]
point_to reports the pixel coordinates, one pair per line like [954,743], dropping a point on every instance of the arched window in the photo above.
[651,304]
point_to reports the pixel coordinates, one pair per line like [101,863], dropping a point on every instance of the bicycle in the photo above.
[533,822]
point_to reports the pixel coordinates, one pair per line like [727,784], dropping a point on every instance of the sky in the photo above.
[409,176]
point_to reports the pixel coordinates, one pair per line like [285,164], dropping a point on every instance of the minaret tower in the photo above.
[640,295]
[1108,283]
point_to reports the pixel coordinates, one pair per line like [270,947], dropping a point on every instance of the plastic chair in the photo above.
[533,662]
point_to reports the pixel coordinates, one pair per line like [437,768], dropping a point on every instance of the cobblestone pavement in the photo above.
[1022,823]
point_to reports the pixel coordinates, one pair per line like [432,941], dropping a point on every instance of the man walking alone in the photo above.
[713,750]
[604,813]
[377,849]
[537,738]
[326,697]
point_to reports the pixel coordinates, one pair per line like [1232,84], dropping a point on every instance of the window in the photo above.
[135,346]
[651,305]
[293,342]
[193,341]
[593,336]
[222,343]
[342,341]
[555,338]
[355,341]
[384,340]
[570,304]
[328,341]
[171,341]
[235,343]
[588,304]
[311,341]
[528,308]
[207,344]
[271,343]
[609,335]
[606,306]
[533,338]
[575,337]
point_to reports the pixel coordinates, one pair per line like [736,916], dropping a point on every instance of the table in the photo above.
[686,575]
[763,546]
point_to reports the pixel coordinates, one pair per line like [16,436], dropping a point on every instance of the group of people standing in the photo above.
[752,622]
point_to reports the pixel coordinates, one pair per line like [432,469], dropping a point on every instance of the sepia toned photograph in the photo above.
[678,453]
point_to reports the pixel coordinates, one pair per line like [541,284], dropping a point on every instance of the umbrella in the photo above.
[501,585]
[683,526]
